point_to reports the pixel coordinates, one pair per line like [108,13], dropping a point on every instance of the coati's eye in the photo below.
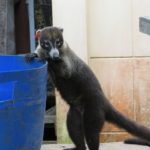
[45,44]
[58,42]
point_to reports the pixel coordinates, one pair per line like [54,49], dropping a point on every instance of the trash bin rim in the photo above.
[43,64]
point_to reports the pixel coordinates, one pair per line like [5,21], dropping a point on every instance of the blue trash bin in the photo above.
[22,103]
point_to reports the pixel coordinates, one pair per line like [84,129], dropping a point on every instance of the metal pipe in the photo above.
[30,4]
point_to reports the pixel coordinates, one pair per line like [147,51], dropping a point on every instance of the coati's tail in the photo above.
[136,141]
[132,127]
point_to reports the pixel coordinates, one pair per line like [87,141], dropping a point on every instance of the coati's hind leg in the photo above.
[93,123]
[75,128]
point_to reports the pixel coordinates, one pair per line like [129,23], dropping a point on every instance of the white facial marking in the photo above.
[53,50]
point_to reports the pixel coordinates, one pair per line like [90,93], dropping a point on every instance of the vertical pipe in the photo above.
[30,4]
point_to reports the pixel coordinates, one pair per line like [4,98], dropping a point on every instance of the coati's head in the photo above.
[51,41]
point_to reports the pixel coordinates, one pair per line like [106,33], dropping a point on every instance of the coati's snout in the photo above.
[51,41]
[54,54]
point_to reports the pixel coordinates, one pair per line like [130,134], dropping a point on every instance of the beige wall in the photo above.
[114,43]
[113,28]
[109,28]
[141,42]
[71,15]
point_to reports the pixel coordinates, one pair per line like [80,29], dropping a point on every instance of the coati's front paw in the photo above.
[30,56]
[41,59]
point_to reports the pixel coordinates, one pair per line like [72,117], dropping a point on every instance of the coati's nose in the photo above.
[56,56]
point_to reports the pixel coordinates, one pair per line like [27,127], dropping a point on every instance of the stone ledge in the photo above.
[104,146]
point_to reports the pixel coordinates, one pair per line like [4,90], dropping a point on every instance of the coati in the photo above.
[78,86]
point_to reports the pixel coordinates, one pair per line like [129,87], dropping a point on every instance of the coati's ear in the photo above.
[37,34]
[61,29]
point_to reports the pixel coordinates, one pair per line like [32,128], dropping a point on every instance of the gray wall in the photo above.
[7,38]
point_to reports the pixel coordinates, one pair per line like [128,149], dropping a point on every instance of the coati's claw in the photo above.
[29,57]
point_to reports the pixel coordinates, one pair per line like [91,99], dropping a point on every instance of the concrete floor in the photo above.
[105,146]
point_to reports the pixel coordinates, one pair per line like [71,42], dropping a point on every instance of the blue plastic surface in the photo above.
[22,103]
